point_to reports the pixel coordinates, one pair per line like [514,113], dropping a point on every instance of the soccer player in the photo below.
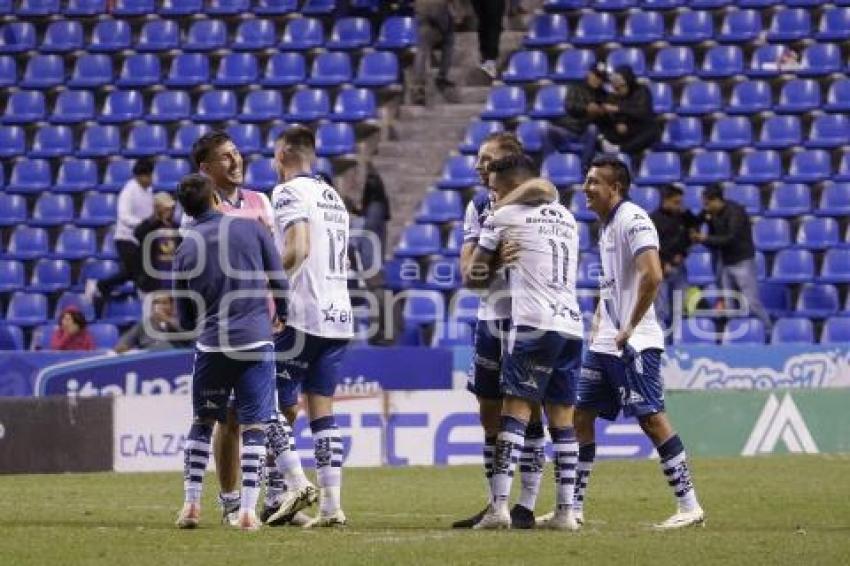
[542,357]
[234,352]
[313,222]
[622,369]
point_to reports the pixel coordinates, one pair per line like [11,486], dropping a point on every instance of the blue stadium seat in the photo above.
[661,4]
[440,206]
[817,300]
[585,241]
[159,35]
[722,61]
[589,271]
[36,8]
[122,106]
[401,273]
[126,8]
[105,336]
[595,28]
[397,32]
[8,71]
[100,141]
[829,131]
[750,97]
[330,69]
[648,198]
[700,268]
[355,105]
[810,166]
[423,308]
[12,141]
[62,36]
[284,69]
[91,70]
[562,169]
[843,173]
[614,5]
[476,131]
[776,297]
[109,36]
[107,247]
[504,102]
[43,71]
[788,200]
[794,330]
[836,330]
[698,331]
[52,209]
[75,243]
[739,26]
[13,210]
[780,132]
[563,5]
[52,141]
[659,168]
[700,97]
[30,176]
[350,34]
[662,97]
[834,24]
[377,69]
[764,61]
[272,134]
[122,311]
[27,309]
[170,106]
[835,267]
[710,167]
[98,209]
[167,173]
[672,63]
[526,67]
[236,69]
[184,137]
[188,70]
[578,206]
[227,7]
[443,275]
[573,64]
[318,7]
[140,70]
[96,269]
[275,7]
[255,35]
[308,105]
[50,276]
[454,242]
[760,166]
[692,26]
[790,24]
[818,233]
[453,334]
[17,37]
[419,240]
[629,56]
[260,175]
[793,266]
[547,30]
[771,234]
[549,102]
[11,276]
[261,106]
[834,200]
[531,134]
[72,107]
[216,106]
[743,331]
[729,133]
[334,139]
[81,8]
[459,172]
[146,140]
[76,175]
[465,305]
[749,196]
[642,28]
[27,243]
[799,96]
[820,59]
[302,34]
[206,35]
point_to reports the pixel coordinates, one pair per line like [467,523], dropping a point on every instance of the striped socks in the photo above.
[196,455]
[531,463]
[586,455]
[251,456]
[565,448]
[489,448]
[674,464]
[327,446]
[508,446]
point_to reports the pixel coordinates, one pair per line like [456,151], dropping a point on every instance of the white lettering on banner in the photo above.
[132,386]
[780,422]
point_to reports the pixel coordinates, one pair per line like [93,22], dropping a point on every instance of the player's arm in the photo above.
[187,311]
[296,246]
[274,270]
[479,270]
[531,191]
[649,276]
[291,216]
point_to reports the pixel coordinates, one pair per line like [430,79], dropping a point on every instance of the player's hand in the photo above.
[278,325]
[508,252]
[622,338]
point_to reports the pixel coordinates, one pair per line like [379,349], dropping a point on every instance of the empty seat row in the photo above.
[53,209]
[794,265]
[29,309]
[788,330]
[664,5]
[35,8]
[72,243]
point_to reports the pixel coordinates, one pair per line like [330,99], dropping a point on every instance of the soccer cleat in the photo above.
[494,518]
[229,510]
[683,519]
[471,521]
[336,519]
[561,520]
[293,501]
[300,519]
[190,516]
[489,68]
[247,521]
[544,519]
[522,517]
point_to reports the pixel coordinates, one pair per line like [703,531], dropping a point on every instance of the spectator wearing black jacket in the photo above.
[633,126]
[158,239]
[674,224]
[730,237]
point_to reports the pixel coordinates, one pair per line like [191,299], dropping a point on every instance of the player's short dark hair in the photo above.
[619,171]
[206,144]
[713,192]
[143,166]
[513,163]
[670,191]
[194,193]
[299,139]
[505,141]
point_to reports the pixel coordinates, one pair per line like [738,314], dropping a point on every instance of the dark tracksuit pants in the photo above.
[489,13]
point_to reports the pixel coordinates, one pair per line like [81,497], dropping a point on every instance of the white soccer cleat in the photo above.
[683,519]
[248,521]
[189,517]
[335,519]
[496,517]
[300,519]
[294,501]
[577,515]
[561,520]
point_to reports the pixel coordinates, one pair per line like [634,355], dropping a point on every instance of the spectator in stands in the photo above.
[135,203]
[151,334]
[436,20]
[730,237]
[585,113]
[72,333]
[490,14]
[632,125]
[674,224]
[157,254]
[375,208]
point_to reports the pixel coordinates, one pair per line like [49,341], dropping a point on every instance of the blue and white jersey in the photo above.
[495,302]
[627,233]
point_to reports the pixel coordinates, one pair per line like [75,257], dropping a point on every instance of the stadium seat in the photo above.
[330,69]
[563,5]
[246,137]
[37,8]
[72,107]
[260,175]
[760,166]
[272,134]
[127,8]
[779,132]
[50,276]
[419,240]
[397,32]
[700,97]
[595,28]
[728,133]
[52,141]
[562,169]
[454,243]
[843,173]
[236,69]
[661,4]
[439,207]
[642,28]
[793,266]
[146,140]
[158,35]
[743,331]
[810,166]
[526,67]
[836,330]
[17,37]
[829,131]
[52,209]
[122,311]
[401,273]
[547,30]
[629,56]
[261,106]
[184,137]
[318,7]
[692,26]
[8,71]
[335,139]
[835,200]
[167,173]
[107,247]
[662,97]
[43,71]
[275,7]
[771,234]
[109,36]
[789,24]
[12,141]
[76,175]
[30,176]
[459,172]
[62,36]
[216,106]
[817,300]
[749,196]
[170,106]
[698,331]
[122,106]
[672,63]
[834,24]
[659,168]
[648,198]
[227,7]
[180,7]
[355,105]
[303,34]
[350,33]
[140,70]
[710,167]
[739,26]
[91,71]
[794,330]
[700,268]
[98,209]
[118,172]
[11,276]
[614,5]
[721,62]
[443,275]
[835,267]
[775,297]
[100,141]
[96,269]
[531,134]
[27,243]
[424,307]
[504,103]
[799,96]
[308,105]
[255,35]
[578,206]
[284,69]
[27,309]
[573,65]
[206,35]
[818,233]
[105,336]
[820,59]
[188,70]
[82,8]
[75,243]
[13,210]
[476,131]
[454,334]
[377,69]
[750,97]
[765,61]
[789,200]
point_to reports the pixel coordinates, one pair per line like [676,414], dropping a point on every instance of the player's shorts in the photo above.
[217,375]
[541,366]
[484,373]
[632,383]
[306,363]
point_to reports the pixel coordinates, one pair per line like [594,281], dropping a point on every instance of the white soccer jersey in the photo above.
[628,232]
[542,280]
[319,303]
[495,304]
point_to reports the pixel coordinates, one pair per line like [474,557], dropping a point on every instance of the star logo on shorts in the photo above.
[330,313]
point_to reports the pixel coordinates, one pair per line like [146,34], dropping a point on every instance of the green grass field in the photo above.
[778,510]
